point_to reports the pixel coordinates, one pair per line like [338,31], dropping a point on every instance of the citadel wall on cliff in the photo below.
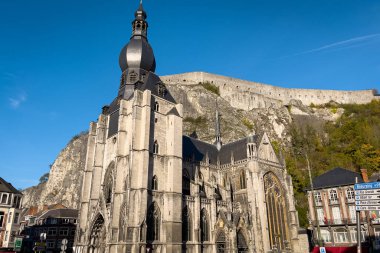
[248,95]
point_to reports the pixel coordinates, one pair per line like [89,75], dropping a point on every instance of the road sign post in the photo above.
[367,198]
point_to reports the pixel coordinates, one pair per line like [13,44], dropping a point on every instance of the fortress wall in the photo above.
[247,95]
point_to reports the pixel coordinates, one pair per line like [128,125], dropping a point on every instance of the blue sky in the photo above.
[59,59]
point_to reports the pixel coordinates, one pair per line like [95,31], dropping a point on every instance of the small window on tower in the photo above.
[156,106]
[154,183]
[132,77]
[155,147]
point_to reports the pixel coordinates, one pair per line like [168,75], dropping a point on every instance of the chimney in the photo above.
[364,175]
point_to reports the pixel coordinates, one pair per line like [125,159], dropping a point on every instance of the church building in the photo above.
[149,188]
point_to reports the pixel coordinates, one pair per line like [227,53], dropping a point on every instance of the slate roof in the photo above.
[336,177]
[60,213]
[7,187]
[199,149]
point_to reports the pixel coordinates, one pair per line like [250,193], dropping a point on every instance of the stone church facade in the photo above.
[149,188]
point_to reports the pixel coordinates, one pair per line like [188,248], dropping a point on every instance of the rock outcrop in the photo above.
[65,178]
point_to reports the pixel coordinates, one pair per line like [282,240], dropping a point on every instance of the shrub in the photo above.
[211,87]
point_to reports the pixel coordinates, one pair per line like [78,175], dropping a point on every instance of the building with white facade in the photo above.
[10,201]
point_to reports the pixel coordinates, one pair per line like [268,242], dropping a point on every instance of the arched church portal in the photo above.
[98,236]
[276,212]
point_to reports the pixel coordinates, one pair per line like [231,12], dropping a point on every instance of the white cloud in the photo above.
[345,44]
[16,102]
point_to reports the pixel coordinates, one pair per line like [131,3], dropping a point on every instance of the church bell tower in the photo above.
[132,196]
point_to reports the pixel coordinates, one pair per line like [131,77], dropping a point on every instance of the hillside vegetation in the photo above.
[352,142]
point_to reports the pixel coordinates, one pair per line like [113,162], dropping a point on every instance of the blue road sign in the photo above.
[364,186]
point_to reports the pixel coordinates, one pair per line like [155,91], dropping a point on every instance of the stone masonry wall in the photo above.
[248,95]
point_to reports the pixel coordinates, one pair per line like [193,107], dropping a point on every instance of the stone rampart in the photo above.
[248,95]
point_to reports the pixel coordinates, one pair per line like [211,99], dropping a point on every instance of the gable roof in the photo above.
[7,187]
[336,177]
[197,149]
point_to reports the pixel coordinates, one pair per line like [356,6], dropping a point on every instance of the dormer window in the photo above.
[161,89]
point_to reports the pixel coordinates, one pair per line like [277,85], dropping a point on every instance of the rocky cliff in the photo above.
[65,177]
[199,103]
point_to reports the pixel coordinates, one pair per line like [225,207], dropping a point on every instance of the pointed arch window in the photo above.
[155,147]
[186,225]
[156,107]
[277,210]
[154,183]
[224,181]
[98,235]
[241,243]
[221,242]
[108,184]
[186,182]
[204,226]
[243,181]
[154,223]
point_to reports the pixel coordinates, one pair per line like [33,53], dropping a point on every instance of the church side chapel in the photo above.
[149,188]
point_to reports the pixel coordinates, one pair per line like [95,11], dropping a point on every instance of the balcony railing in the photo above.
[350,200]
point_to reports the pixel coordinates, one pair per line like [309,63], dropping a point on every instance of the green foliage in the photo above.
[211,87]
[246,122]
[44,178]
[276,147]
[196,123]
[353,142]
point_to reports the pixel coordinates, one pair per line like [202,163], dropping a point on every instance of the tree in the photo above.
[44,178]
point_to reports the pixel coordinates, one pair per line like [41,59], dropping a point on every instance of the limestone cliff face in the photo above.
[65,178]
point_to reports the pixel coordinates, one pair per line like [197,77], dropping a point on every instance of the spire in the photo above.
[218,141]
[139,25]
[138,54]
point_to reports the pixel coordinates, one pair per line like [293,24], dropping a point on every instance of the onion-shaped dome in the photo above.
[138,53]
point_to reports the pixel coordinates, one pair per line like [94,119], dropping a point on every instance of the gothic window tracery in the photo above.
[153,223]
[108,184]
[186,225]
[204,226]
[221,242]
[276,212]
[97,236]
